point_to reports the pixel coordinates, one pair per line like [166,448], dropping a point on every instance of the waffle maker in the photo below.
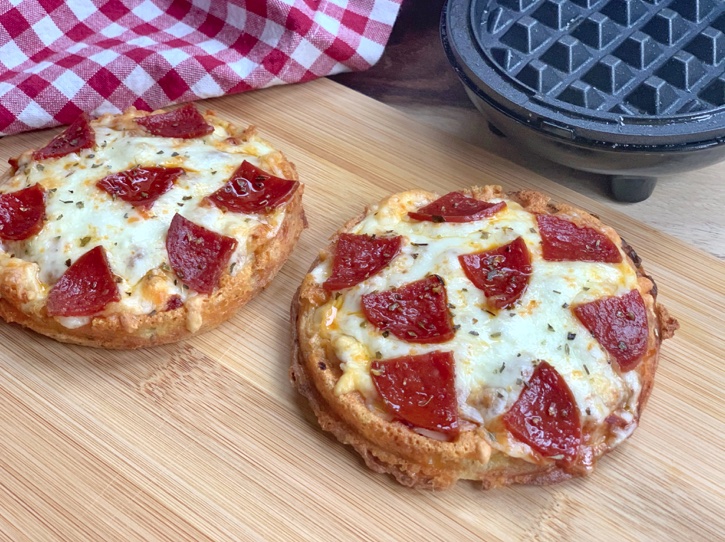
[629,88]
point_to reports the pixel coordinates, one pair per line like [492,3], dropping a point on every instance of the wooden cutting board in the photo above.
[207,439]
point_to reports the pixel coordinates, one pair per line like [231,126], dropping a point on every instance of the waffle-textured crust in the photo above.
[126,330]
[392,447]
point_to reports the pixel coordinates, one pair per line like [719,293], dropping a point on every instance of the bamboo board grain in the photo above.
[206,440]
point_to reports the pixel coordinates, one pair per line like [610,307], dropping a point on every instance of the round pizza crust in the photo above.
[388,446]
[116,329]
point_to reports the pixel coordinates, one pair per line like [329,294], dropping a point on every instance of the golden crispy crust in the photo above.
[418,461]
[129,331]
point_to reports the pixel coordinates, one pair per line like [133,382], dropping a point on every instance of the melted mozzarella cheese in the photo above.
[494,353]
[80,216]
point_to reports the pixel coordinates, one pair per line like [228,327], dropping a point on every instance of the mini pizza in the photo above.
[478,335]
[141,229]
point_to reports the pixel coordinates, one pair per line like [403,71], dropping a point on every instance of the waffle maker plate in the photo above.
[629,88]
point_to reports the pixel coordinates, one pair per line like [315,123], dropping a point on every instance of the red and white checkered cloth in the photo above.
[59,58]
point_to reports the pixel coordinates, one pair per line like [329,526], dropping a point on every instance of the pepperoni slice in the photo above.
[416,312]
[174,303]
[502,273]
[420,390]
[620,326]
[140,186]
[22,213]
[85,288]
[251,190]
[185,123]
[545,415]
[198,256]
[455,207]
[562,241]
[358,257]
[79,135]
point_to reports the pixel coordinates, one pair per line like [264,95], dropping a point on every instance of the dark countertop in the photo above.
[414,69]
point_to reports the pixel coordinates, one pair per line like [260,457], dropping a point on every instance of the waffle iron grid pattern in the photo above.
[628,57]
